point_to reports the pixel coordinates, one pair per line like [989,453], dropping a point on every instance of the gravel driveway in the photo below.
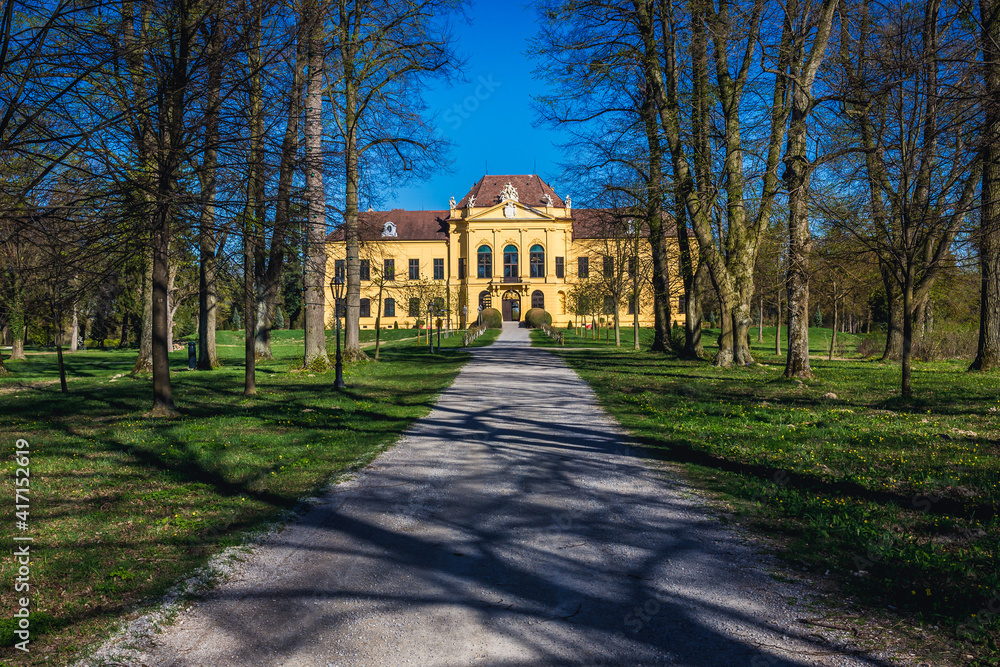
[509,527]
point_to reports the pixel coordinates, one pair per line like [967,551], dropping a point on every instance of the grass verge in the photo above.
[896,501]
[819,340]
[123,506]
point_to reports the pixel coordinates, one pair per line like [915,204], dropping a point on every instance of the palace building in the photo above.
[511,243]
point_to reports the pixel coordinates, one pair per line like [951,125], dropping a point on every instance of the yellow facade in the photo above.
[510,254]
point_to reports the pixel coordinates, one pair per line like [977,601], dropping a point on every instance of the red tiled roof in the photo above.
[530,190]
[593,223]
[410,226]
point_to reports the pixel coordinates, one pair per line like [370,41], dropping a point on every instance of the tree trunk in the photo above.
[657,241]
[74,329]
[208,358]
[760,319]
[777,327]
[144,363]
[797,175]
[352,319]
[724,357]
[315,279]
[618,333]
[894,335]
[253,212]
[742,310]
[988,350]
[270,288]
[175,85]
[833,334]
[58,340]
[163,402]
[907,389]
[694,313]
[171,308]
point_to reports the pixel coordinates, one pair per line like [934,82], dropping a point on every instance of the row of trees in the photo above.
[875,122]
[170,146]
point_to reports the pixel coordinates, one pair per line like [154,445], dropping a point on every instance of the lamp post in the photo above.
[337,289]
[430,325]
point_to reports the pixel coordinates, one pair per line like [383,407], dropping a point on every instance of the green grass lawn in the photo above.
[897,501]
[819,340]
[122,506]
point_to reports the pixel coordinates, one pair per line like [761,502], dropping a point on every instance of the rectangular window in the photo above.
[366,308]
[414,308]
[439,269]
[583,267]
[340,268]
[485,262]
[389,269]
[461,268]
[390,307]
[609,266]
[681,305]
[536,263]
[366,271]
[633,266]
[609,305]
[560,269]
[631,306]
[414,269]
[339,308]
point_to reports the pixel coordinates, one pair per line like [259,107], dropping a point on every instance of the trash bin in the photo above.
[192,355]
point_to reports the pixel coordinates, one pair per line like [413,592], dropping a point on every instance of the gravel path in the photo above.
[511,526]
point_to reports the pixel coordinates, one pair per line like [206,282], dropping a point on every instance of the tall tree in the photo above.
[732,33]
[592,54]
[921,168]
[209,243]
[385,50]
[803,64]
[988,350]
[315,236]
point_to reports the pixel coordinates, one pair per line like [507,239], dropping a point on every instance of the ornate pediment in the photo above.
[510,211]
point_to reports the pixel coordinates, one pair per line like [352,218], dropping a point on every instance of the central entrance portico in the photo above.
[511,306]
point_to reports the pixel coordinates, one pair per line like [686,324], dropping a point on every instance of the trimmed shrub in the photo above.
[492,318]
[536,317]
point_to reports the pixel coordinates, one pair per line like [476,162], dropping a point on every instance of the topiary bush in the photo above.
[492,318]
[536,317]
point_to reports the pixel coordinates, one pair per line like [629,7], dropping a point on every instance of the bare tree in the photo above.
[920,167]
[384,50]
[988,352]
[315,236]
[801,23]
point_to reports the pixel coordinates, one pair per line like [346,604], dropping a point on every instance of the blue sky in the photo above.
[488,117]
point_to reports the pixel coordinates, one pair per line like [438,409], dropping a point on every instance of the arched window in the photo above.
[510,262]
[365,308]
[485,261]
[536,260]
[562,303]
[538,299]
[390,307]
[485,300]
